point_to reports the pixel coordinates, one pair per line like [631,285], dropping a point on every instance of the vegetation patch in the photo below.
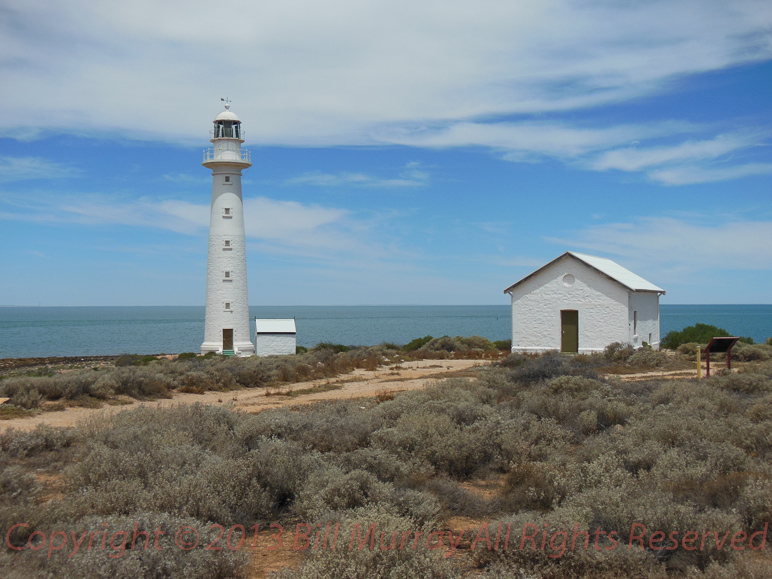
[698,333]
[578,460]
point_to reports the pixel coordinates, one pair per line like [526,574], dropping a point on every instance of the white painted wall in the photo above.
[536,304]
[647,306]
[275,344]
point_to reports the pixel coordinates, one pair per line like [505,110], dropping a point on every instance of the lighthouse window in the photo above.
[227,275]
[227,244]
[226,212]
[227,178]
[227,306]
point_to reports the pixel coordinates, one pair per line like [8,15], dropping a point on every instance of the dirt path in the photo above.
[358,384]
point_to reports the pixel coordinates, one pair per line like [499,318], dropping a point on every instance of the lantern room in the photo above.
[227,125]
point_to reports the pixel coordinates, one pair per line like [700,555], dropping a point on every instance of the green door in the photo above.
[569,331]
[227,339]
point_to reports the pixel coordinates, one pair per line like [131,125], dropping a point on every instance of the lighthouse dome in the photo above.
[227,115]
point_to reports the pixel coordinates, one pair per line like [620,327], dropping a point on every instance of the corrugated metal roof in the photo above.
[275,326]
[605,266]
[617,272]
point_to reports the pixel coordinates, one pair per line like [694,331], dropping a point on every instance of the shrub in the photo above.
[513,360]
[689,350]
[134,360]
[751,353]
[445,346]
[44,438]
[532,486]
[503,344]
[745,383]
[648,358]
[144,560]
[699,333]
[542,368]
[333,347]
[618,352]
[390,557]
[417,343]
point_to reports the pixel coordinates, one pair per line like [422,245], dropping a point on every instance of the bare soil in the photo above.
[360,383]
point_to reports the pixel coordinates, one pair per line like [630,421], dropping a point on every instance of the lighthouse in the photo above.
[227,308]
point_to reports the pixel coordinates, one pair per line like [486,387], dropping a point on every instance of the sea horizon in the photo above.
[47,331]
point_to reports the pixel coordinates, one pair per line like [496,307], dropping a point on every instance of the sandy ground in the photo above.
[358,384]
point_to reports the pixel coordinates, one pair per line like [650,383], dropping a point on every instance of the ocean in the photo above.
[92,331]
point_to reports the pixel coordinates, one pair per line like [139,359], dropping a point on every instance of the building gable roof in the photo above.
[607,267]
[274,326]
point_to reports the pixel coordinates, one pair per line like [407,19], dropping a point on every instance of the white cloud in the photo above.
[411,176]
[25,168]
[695,174]
[280,227]
[436,73]
[333,72]
[669,244]
[186,178]
[636,159]
[517,141]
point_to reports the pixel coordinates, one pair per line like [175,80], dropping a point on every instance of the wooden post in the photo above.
[707,363]
[699,363]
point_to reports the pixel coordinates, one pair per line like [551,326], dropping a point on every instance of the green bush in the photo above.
[699,333]
[503,345]
[134,360]
[338,348]
[417,343]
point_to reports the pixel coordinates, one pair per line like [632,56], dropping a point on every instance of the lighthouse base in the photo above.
[241,349]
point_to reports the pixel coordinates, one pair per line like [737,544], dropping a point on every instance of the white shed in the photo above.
[582,303]
[275,337]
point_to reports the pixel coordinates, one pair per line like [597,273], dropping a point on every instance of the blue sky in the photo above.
[423,152]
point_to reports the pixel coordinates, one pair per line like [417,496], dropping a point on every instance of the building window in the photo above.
[635,323]
[226,276]
[227,306]
[226,212]
[227,178]
[226,244]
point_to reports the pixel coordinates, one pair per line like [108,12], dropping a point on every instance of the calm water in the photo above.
[33,332]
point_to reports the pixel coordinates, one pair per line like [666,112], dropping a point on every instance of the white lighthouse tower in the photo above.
[227,308]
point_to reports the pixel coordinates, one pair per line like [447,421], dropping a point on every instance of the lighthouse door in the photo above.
[227,339]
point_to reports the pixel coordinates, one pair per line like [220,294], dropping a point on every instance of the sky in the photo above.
[421,152]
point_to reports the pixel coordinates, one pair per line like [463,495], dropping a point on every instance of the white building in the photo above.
[227,308]
[582,303]
[275,337]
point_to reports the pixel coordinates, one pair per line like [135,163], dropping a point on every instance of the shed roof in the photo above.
[607,267]
[275,326]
